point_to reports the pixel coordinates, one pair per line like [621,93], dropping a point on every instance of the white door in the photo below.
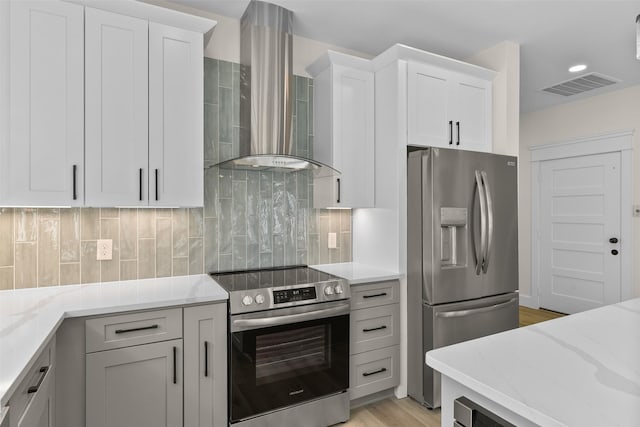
[46,147]
[117,141]
[176,131]
[579,232]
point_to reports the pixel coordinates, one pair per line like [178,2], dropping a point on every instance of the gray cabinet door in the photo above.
[39,411]
[205,366]
[137,386]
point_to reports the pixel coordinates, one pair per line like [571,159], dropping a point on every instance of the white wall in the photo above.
[505,59]
[614,111]
[224,41]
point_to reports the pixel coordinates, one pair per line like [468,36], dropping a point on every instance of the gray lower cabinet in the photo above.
[135,386]
[205,366]
[32,404]
[375,338]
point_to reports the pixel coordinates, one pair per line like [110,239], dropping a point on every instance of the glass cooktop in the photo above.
[270,278]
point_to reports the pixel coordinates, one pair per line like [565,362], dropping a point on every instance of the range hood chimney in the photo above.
[266,83]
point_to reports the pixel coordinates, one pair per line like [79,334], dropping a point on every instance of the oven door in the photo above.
[287,356]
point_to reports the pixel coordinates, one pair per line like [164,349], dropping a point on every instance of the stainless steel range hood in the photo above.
[266,83]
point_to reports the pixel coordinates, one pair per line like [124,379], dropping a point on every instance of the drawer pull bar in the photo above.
[34,388]
[379,328]
[206,358]
[142,328]
[366,374]
[383,294]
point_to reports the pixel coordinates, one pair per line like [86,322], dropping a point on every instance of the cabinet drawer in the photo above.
[375,327]
[106,333]
[39,375]
[374,294]
[374,371]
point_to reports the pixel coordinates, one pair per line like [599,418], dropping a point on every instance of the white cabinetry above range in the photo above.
[344,130]
[103,104]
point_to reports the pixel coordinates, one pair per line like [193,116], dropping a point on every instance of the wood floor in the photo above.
[407,412]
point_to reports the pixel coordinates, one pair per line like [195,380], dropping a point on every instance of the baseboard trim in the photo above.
[529,301]
[375,397]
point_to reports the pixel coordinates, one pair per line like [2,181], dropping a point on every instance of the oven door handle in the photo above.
[264,322]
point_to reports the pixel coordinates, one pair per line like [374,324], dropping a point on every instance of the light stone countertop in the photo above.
[578,370]
[357,273]
[30,317]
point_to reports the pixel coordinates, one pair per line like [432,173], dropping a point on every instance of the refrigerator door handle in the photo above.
[463,313]
[488,240]
[483,224]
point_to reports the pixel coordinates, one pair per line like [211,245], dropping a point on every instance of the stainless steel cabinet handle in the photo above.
[75,180]
[206,358]
[378,371]
[379,328]
[488,240]
[458,127]
[141,328]
[175,364]
[463,313]
[483,224]
[34,388]
[382,294]
[450,132]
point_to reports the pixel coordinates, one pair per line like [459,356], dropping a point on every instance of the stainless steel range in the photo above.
[288,347]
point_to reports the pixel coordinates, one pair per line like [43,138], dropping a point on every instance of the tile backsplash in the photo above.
[250,219]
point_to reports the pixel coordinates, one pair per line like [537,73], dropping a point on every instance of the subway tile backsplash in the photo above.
[249,220]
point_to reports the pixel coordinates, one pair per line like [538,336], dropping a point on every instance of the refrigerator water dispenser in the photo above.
[453,238]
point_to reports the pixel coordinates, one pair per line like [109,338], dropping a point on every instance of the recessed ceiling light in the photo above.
[577,68]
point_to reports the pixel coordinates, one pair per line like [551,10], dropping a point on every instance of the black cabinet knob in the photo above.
[614,252]
[613,240]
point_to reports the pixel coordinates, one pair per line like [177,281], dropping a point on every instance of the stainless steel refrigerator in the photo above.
[462,254]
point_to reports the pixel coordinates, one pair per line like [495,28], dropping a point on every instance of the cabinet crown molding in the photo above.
[332,57]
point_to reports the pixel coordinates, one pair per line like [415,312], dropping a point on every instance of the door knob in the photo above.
[614,252]
[613,240]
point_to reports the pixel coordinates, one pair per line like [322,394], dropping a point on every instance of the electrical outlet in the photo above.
[332,241]
[105,250]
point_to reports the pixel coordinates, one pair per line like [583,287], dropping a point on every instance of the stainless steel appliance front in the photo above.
[462,254]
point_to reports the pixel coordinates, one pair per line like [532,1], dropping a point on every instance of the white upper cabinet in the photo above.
[43,153]
[116,82]
[448,108]
[344,130]
[176,154]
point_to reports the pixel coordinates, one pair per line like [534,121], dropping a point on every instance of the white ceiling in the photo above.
[553,35]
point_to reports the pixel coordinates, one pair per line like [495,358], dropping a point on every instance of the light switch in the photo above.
[105,250]
[332,241]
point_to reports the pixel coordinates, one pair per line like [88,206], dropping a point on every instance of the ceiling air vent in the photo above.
[581,84]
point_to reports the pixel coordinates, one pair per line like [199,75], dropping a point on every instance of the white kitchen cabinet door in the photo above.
[473,100]
[45,151]
[344,136]
[116,73]
[176,165]
[205,366]
[430,117]
[137,386]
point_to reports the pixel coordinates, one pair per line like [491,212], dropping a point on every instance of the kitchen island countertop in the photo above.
[30,317]
[578,370]
[357,273]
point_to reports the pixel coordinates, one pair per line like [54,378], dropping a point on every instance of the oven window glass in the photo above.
[282,355]
[278,366]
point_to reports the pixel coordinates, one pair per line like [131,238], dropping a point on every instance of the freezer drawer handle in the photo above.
[382,294]
[378,371]
[379,328]
[463,313]
[34,388]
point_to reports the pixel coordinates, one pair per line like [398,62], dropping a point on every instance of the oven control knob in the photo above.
[338,289]
[328,290]
[259,299]
[247,300]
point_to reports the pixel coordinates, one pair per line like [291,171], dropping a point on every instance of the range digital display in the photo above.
[291,295]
